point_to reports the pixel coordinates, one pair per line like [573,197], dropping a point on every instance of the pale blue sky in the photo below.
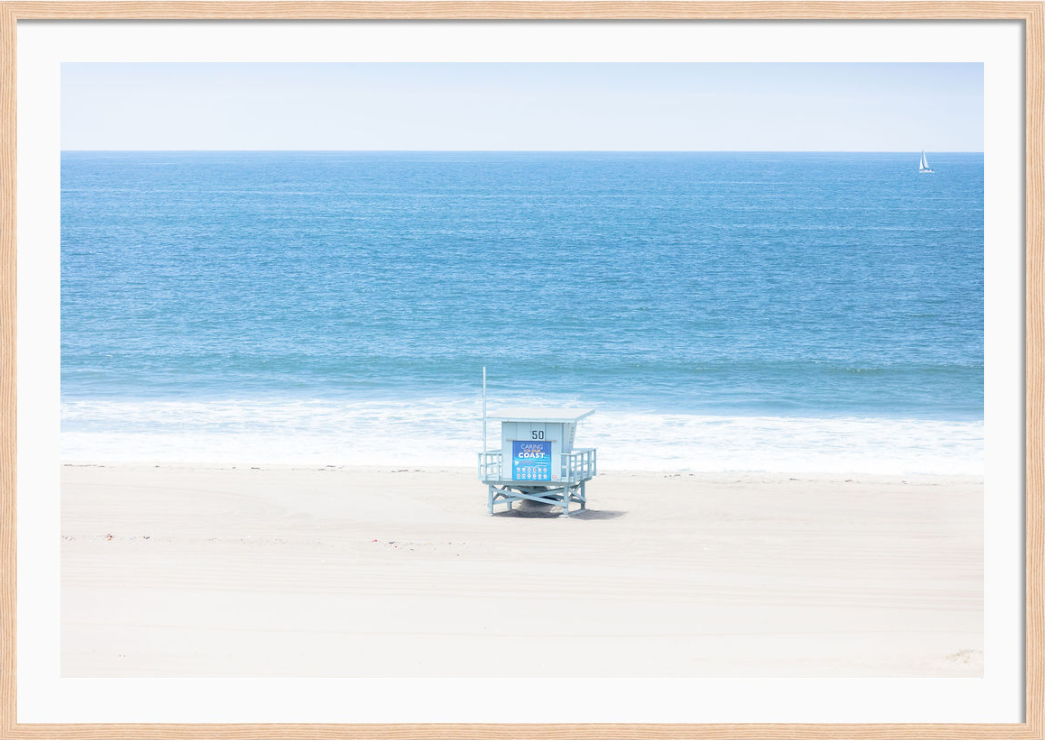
[479,106]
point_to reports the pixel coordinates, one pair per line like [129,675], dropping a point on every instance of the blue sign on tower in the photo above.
[531,461]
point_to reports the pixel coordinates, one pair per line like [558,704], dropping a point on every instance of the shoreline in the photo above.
[296,570]
[811,474]
[372,432]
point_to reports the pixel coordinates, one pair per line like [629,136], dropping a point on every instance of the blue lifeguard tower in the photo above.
[536,460]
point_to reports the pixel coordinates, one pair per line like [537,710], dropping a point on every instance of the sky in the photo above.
[523,107]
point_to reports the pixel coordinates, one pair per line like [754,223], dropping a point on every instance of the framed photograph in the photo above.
[521,369]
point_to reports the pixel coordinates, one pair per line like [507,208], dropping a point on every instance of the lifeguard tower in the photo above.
[537,460]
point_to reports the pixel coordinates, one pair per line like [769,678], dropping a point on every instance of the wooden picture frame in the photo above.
[1031,14]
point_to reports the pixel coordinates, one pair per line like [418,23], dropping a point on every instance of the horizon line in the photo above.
[517,151]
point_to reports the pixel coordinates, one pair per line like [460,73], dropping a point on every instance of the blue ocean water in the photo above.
[335,305]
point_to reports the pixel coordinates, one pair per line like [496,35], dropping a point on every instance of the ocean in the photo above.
[720,311]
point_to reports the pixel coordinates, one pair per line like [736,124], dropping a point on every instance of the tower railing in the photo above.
[490,465]
[579,465]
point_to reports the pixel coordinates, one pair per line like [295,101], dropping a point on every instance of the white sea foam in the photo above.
[444,432]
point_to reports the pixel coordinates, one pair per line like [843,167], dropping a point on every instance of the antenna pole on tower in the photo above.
[484,408]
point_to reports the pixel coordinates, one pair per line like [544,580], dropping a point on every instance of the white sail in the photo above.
[923,166]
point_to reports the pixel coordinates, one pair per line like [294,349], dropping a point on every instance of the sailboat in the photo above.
[923,166]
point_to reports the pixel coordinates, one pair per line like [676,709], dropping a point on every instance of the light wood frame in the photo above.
[1032,14]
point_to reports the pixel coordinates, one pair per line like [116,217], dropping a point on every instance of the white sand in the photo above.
[368,572]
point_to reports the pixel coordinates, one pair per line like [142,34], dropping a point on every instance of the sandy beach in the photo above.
[191,570]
